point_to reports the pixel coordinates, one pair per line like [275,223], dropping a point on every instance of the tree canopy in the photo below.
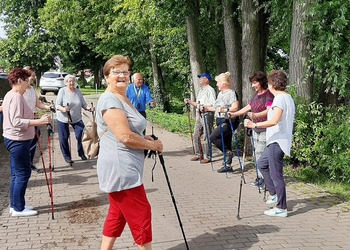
[155,34]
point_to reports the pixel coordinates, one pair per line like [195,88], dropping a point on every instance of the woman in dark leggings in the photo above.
[226,100]
[279,132]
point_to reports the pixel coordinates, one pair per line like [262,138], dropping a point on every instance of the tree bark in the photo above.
[221,63]
[233,36]
[254,44]
[82,78]
[196,59]
[158,86]
[298,51]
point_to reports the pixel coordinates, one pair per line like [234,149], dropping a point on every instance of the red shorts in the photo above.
[129,206]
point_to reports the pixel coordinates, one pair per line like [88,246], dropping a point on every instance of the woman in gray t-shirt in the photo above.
[226,100]
[279,124]
[69,102]
[121,159]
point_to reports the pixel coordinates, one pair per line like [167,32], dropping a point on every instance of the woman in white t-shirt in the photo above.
[33,102]
[279,132]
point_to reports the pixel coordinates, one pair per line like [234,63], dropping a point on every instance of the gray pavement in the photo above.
[207,202]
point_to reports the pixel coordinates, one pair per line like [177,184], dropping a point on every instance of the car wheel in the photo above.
[43,92]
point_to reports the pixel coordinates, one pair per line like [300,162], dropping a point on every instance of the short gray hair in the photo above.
[133,77]
[67,77]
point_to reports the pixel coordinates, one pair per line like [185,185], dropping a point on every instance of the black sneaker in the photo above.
[34,169]
[262,185]
[68,160]
[256,184]
[83,157]
[223,170]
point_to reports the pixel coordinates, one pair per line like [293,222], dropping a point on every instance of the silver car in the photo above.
[52,82]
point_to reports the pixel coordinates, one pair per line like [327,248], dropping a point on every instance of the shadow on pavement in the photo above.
[236,237]
[301,206]
[74,176]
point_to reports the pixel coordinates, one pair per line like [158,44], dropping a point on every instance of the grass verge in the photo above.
[310,175]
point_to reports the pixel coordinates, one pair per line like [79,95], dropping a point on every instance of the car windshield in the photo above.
[51,75]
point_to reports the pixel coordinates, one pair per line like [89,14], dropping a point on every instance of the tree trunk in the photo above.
[233,36]
[254,44]
[264,30]
[196,59]
[82,78]
[98,74]
[158,86]
[221,63]
[298,51]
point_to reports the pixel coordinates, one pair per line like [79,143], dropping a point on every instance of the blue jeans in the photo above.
[20,171]
[63,133]
[271,167]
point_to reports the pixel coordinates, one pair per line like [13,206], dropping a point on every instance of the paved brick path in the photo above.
[207,202]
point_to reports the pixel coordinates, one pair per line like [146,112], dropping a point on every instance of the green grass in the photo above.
[310,175]
[175,123]
[89,91]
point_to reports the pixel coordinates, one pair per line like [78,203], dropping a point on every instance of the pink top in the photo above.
[17,115]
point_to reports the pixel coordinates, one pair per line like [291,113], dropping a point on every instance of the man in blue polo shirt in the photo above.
[139,94]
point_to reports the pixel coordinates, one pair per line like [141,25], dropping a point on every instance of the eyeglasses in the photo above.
[118,72]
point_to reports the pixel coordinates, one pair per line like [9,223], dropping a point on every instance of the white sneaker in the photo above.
[273,199]
[25,212]
[277,212]
[25,207]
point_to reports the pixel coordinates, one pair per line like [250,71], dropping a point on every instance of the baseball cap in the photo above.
[205,75]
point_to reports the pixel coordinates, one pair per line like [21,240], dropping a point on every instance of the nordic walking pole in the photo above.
[245,146]
[242,176]
[49,132]
[237,150]
[242,173]
[161,159]
[152,119]
[223,144]
[42,159]
[70,143]
[208,140]
[256,164]
[189,121]
[53,110]
[200,135]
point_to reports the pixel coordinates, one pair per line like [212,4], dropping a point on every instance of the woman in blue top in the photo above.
[279,133]
[121,159]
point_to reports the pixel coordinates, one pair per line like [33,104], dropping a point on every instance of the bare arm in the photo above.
[240,112]
[277,114]
[41,105]
[209,108]
[260,114]
[118,123]
[44,120]
[234,107]
[194,104]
